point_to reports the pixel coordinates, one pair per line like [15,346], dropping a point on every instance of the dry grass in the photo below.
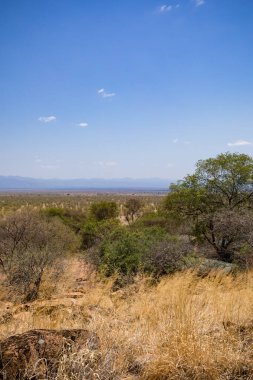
[182,328]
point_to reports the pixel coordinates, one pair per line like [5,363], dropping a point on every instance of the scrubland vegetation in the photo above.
[164,282]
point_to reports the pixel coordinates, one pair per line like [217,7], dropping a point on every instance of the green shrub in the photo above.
[71,218]
[132,209]
[93,232]
[153,219]
[121,253]
[123,249]
[104,210]
[169,223]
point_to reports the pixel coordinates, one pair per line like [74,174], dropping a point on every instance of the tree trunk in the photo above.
[33,294]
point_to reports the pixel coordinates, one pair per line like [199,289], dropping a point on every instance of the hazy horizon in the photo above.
[87,178]
[137,89]
[112,184]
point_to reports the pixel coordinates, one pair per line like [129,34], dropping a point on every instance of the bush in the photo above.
[168,223]
[71,218]
[120,253]
[93,232]
[228,232]
[30,243]
[104,210]
[123,251]
[132,209]
[167,256]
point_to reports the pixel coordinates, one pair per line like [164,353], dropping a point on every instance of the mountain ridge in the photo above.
[29,183]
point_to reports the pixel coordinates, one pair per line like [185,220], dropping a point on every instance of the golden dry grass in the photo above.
[184,327]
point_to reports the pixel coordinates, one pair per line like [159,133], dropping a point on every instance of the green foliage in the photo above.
[55,212]
[212,197]
[152,219]
[228,176]
[123,251]
[104,210]
[71,218]
[188,202]
[221,182]
[93,231]
[89,234]
[170,223]
[132,209]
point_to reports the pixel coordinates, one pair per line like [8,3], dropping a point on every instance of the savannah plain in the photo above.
[175,320]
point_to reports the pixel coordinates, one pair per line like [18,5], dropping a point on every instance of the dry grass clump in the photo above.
[184,327]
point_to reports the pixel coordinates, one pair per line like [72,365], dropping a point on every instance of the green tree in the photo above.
[228,177]
[132,209]
[220,186]
[104,210]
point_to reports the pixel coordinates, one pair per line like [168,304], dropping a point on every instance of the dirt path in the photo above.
[60,304]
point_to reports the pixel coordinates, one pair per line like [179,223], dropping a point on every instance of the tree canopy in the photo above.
[104,210]
[217,197]
[225,181]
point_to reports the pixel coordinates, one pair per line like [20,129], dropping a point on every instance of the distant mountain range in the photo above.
[26,183]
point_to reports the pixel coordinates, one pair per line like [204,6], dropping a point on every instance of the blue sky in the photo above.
[137,88]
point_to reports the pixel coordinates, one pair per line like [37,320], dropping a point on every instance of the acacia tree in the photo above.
[214,198]
[228,177]
[226,231]
[132,209]
[30,243]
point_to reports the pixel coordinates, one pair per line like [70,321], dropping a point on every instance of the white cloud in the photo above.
[185,142]
[240,143]
[105,94]
[51,167]
[165,8]
[198,3]
[83,125]
[47,119]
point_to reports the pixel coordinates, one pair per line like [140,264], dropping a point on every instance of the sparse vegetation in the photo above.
[183,327]
[29,243]
[164,283]
[217,201]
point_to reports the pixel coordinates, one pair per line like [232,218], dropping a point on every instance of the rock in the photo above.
[207,266]
[35,354]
